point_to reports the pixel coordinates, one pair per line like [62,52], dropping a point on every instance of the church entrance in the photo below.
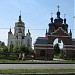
[58,48]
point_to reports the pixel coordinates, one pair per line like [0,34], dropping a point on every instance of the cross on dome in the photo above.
[20,12]
[51,14]
[58,13]
[58,7]
[20,17]
[64,15]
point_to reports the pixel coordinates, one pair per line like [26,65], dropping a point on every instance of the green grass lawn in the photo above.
[36,61]
[14,61]
[19,71]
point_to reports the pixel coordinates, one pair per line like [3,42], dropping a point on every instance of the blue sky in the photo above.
[35,13]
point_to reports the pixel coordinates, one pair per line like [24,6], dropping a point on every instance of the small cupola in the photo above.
[28,32]
[10,31]
[58,19]
[51,18]
[58,13]
[64,19]
[19,23]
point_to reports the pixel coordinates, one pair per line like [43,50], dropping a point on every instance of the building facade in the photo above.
[19,38]
[58,28]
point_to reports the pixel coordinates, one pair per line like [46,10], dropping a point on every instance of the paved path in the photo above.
[37,66]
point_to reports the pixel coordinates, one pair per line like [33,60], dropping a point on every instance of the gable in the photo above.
[60,31]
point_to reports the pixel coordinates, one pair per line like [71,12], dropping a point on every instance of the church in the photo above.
[58,28]
[19,38]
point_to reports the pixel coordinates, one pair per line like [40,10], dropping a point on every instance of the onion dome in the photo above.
[51,19]
[65,21]
[28,32]
[58,14]
[51,23]
[19,23]
[10,31]
[65,24]
[58,19]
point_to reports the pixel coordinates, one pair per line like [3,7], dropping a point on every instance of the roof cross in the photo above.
[58,7]
[20,12]
[64,15]
[51,14]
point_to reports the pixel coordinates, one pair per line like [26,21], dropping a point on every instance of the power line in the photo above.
[31,29]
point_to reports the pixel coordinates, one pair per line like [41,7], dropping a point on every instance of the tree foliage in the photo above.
[56,48]
[25,49]
[61,53]
[11,48]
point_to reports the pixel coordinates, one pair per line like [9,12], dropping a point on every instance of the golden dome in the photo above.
[19,23]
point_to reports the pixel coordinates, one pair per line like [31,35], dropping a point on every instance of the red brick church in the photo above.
[58,28]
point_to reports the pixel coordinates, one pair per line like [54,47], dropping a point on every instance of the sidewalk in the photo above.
[48,61]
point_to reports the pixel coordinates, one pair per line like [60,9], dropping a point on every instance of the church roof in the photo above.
[41,40]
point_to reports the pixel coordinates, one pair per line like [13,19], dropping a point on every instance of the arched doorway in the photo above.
[59,41]
[58,48]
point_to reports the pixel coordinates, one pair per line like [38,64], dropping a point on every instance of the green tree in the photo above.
[17,49]
[23,49]
[6,52]
[56,48]
[61,53]
[11,48]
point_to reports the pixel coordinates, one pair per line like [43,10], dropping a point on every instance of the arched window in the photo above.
[42,53]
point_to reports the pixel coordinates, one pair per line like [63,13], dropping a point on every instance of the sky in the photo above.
[35,14]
